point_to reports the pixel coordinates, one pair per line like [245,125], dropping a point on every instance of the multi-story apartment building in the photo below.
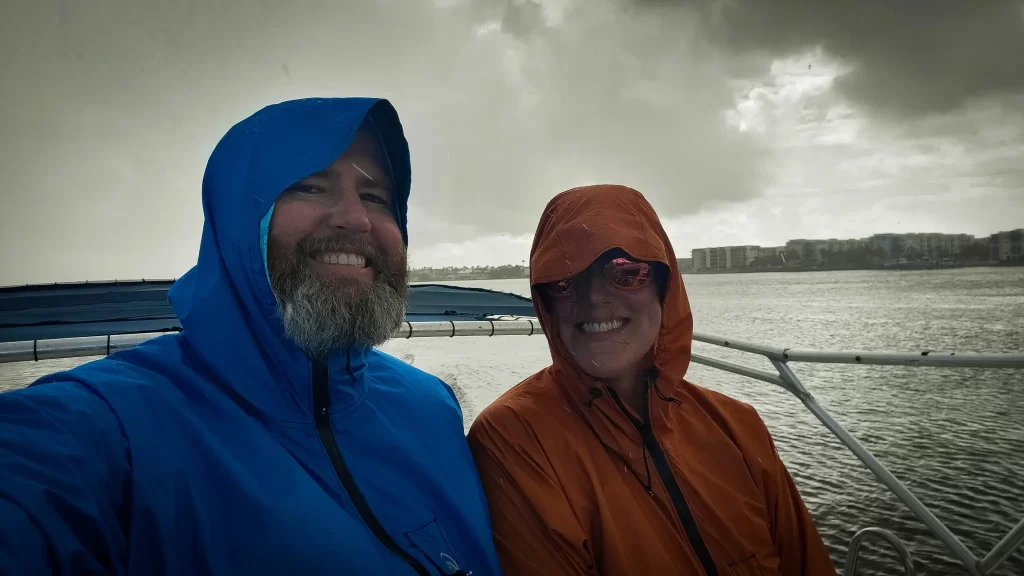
[1003,246]
[1008,245]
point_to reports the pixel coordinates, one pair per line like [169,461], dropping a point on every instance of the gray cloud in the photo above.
[111,109]
[595,96]
[906,58]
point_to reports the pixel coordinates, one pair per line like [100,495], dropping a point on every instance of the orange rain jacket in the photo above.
[566,472]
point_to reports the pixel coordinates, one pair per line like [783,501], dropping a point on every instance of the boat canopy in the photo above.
[50,311]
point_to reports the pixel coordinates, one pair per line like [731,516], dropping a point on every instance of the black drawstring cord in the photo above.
[647,472]
[647,482]
[652,381]
[647,422]
[596,393]
[663,397]
[348,365]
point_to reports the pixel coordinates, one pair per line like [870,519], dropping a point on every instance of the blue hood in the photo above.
[223,449]
[225,303]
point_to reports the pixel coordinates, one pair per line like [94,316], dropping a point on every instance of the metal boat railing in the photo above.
[788,380]
[784,377]
[57,348]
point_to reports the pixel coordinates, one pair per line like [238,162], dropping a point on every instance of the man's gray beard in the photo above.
[323,315]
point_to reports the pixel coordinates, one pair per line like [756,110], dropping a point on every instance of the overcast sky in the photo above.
[744,122]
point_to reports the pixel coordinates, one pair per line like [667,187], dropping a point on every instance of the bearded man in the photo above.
[268,436]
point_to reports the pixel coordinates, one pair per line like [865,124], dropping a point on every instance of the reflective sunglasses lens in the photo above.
[561,289]
[627,274]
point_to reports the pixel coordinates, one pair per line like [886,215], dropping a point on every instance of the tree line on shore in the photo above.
[858,258]
[448,273]
[868,257]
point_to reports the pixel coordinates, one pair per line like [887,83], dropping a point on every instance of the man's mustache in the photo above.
[347,243]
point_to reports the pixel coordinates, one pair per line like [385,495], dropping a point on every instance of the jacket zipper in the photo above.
[664,471]
[322,419]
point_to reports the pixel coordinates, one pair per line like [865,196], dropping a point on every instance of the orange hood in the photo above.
[579,225]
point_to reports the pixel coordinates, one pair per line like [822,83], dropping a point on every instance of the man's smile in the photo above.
[343,265]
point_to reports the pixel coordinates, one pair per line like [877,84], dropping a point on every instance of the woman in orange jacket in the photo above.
[608,461]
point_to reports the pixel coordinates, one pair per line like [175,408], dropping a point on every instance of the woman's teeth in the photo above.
[596,327]
[342,258]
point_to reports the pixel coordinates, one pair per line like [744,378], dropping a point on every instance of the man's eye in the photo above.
[374,198]
[306,189]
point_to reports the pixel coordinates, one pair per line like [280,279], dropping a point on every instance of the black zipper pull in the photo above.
[322,421]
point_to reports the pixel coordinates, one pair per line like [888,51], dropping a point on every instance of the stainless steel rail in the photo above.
[35,350]
[858,539]
[787,379]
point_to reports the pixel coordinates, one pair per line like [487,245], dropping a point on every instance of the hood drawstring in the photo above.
[662,396]
[596,393]
[652,382]
[639,425]
[647,471]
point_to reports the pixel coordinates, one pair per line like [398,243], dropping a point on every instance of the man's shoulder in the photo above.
[141,364]
[153,369]
[386,362]
[397,374]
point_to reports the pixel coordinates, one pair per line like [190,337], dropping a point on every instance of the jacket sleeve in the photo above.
[801,550]
[64,471]
[535,529]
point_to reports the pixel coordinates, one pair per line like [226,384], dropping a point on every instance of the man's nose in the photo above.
[348,212]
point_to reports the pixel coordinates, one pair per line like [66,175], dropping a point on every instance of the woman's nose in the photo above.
[596,289]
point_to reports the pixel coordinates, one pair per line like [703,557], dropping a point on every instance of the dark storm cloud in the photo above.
[595,97]
[111,109]
[914,57]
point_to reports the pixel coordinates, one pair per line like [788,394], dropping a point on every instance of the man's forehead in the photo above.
[365,154]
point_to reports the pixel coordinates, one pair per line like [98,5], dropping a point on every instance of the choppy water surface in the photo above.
[955,437]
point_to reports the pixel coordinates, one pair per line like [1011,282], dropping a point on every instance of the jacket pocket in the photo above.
[750,566]
[429,540]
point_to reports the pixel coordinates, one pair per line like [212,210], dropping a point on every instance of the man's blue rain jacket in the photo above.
[223,449]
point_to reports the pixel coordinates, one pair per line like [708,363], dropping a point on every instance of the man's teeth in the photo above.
[595,327]
[342,258]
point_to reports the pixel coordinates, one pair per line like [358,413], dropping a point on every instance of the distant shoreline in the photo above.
[427,276]
[908,267]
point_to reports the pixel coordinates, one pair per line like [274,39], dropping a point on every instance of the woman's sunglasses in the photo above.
[622,273]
